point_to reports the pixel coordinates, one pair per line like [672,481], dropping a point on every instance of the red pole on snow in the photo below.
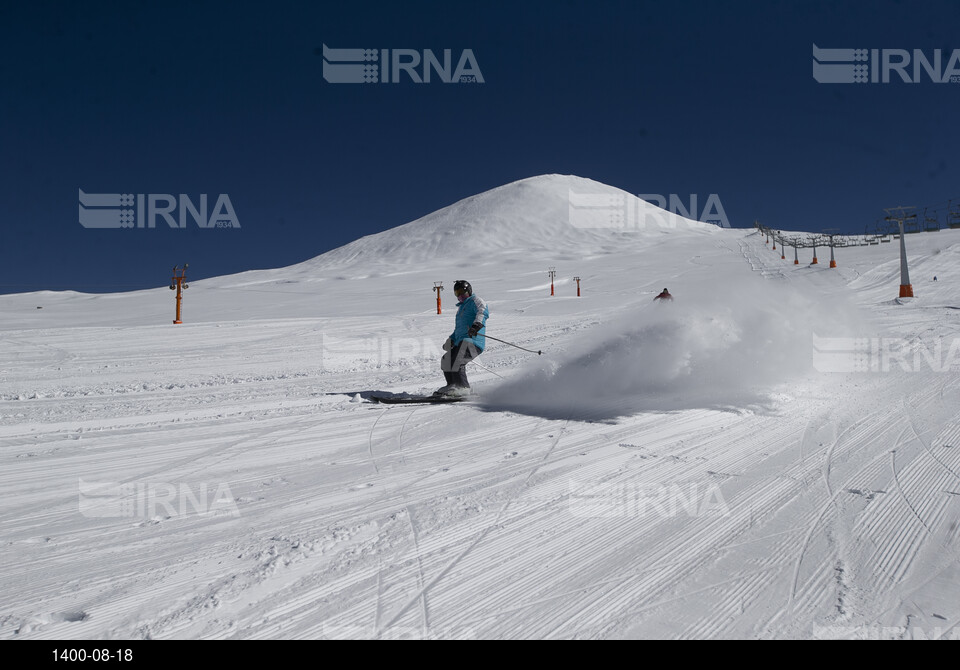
[552,273]
[438,286]
[577,279]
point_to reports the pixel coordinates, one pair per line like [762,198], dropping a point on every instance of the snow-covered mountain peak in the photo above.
[543,213]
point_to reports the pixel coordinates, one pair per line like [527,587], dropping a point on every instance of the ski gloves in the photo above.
[472,332]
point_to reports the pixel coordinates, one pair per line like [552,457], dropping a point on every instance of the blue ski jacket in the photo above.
[472,310]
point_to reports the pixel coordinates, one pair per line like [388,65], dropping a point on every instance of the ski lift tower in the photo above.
[831,233]
[901,216]
[814,242]
[794,242]
[953,215]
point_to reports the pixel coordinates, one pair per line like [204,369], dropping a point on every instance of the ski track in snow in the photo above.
[840,505]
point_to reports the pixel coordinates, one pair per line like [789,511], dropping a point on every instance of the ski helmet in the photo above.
[462,285]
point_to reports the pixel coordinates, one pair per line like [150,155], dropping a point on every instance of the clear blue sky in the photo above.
[685,97]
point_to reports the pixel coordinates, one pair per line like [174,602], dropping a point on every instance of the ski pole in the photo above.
[488,370]
[491,337]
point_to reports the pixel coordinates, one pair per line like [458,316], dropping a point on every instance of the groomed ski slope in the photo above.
[679,471]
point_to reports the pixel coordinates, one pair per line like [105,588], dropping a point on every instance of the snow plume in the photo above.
[726,349]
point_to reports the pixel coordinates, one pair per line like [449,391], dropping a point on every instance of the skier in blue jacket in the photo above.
[467,340]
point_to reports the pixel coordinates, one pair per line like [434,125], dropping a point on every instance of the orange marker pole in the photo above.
[178,283]
[179,299]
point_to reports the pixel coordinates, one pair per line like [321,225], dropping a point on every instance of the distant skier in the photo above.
[664,296]
[467,340]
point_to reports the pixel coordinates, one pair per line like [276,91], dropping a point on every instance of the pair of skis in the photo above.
[436,399]
[405,399]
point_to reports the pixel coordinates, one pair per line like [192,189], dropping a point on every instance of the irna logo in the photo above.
[861,66]
[391,66]
[617,210]
[104,500]
[141,210]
